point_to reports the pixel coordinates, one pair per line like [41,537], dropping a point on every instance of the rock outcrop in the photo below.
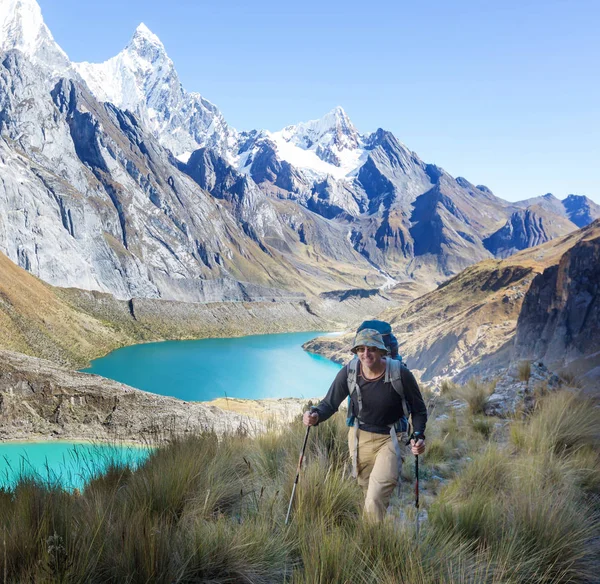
[517,388]
[560,318]
[38,400]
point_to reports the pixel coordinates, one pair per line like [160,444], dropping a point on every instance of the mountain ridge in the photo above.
[93,200]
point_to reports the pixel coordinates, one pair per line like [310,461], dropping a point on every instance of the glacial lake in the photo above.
[253,367]
[67,464]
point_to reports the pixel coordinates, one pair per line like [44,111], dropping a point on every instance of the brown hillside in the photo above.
[36,321]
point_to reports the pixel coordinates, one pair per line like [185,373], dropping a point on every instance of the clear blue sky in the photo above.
[503,93]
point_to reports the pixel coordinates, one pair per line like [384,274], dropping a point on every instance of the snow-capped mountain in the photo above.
[90,198]
[22,28]
[143,79]
[330,146]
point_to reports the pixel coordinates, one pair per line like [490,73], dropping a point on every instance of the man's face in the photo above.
[369,356]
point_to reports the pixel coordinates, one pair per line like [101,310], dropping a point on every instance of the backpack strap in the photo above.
[353,383]
[355,451]
[393,375]
[353,420]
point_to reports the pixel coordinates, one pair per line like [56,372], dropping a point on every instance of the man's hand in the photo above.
[417,447]
[310,418]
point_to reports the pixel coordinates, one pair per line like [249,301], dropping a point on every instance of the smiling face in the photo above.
[370,357]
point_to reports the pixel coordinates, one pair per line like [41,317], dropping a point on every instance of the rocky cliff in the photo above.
[560,317]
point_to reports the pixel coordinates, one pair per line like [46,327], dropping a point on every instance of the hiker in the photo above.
[382,393]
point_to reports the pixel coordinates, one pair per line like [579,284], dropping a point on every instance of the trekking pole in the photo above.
[417,492]
[287,517]
[416,436]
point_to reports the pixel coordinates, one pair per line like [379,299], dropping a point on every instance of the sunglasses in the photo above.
[369,349]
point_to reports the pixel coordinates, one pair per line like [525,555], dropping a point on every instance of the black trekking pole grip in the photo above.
[300,460]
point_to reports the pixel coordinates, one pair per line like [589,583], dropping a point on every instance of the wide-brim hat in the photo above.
[369,338]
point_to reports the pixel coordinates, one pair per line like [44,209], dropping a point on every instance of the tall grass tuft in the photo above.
[475,393]
[529,512]
[564,421]
[524,370]
[447,387]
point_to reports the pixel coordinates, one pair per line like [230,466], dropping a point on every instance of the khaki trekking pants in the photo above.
[377,469]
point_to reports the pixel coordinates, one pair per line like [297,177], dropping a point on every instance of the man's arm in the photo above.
[335,396]
[414,399]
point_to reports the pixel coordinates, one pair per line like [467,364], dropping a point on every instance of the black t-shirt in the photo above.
[381,404]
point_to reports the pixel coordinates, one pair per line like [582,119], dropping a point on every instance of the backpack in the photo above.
[393,371]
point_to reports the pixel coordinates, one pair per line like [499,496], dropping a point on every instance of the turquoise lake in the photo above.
[253,367]
[65,463]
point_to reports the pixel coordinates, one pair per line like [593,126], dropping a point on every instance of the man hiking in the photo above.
[382,393]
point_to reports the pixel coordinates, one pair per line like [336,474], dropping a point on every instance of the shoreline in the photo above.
[75,442]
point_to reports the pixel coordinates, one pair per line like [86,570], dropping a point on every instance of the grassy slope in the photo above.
[208,510]
[35,321]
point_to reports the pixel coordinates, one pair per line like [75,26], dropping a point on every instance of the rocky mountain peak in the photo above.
[143,34]
[129,79]
[581,210]
[22,28]
[21,25]
[338,120]
[148,49]
[142,78]
[334,129]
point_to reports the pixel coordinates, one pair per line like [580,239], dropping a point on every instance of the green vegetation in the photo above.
[534,511]
[211,509]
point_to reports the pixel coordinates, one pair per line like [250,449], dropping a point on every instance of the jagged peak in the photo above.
[337,116]
[22,27]
[334,128]
[120,79]
[144,35]
[573,197]
[20,22]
